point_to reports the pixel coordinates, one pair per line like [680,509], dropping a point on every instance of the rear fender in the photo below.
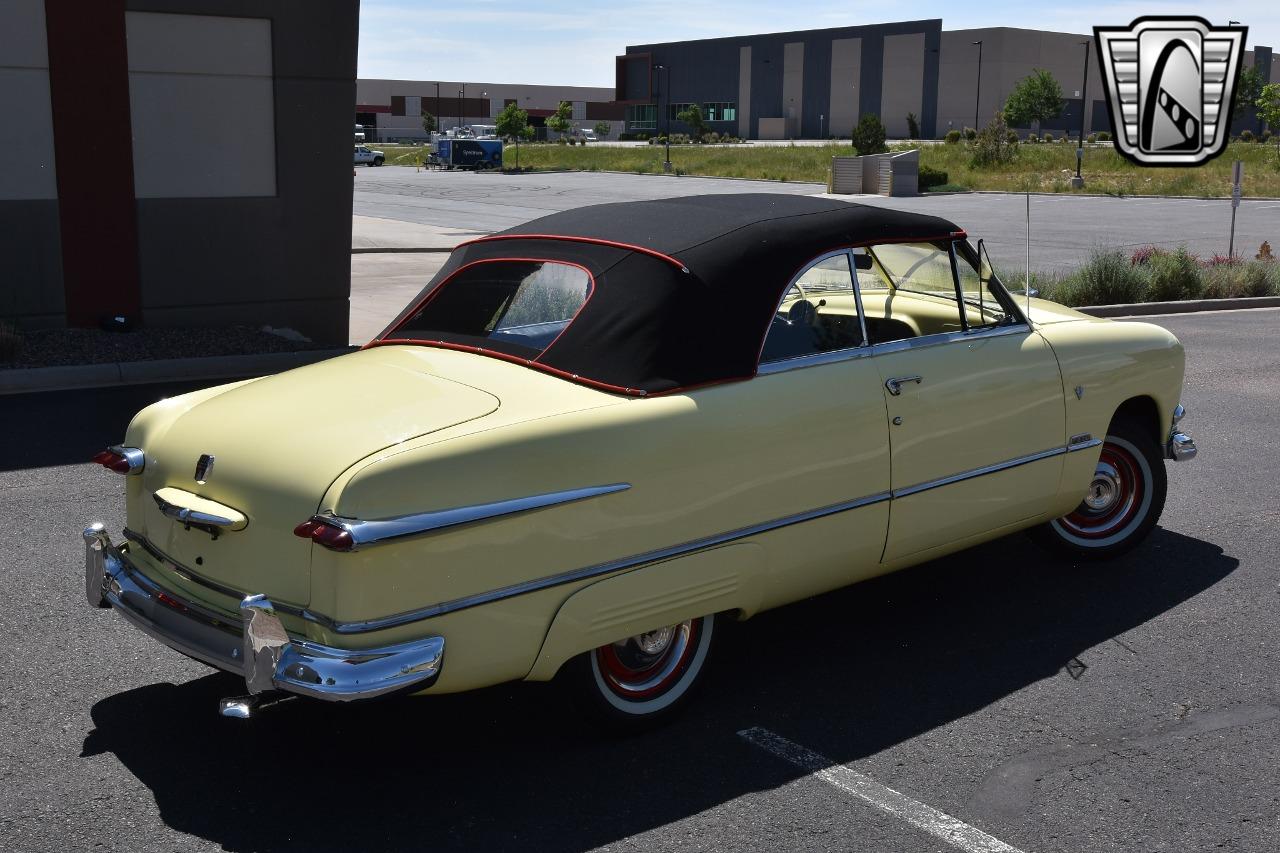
[713,581]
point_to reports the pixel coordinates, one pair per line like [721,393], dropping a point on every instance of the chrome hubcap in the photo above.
[1105,488]
[655,642]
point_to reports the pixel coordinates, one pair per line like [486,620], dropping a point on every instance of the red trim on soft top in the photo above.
[631,247]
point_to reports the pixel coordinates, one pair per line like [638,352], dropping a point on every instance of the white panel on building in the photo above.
[413,105]
[202,105]
[26,133]
[793,86]
[579,110]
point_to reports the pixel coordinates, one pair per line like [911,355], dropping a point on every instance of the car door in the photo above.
[974,401]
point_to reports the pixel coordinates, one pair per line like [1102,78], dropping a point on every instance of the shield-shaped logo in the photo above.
[1169,83]
[204,467]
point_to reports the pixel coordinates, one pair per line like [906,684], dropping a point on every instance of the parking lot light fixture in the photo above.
[666,123]
[977,94]
[1078,181]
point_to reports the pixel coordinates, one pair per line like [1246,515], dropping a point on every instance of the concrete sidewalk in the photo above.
[372,235]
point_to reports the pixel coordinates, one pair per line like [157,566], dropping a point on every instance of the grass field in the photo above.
[1044,167]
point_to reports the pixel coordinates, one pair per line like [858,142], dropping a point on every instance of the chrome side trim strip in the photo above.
[978,472]
[813,360]
[950,337]
[610,567]
[374,531]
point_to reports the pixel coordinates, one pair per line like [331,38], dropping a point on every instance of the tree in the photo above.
[512,122]
[868,136]
[1248,90]
[692,116]
[913,126]
[428,122]
[1036,98]
[560,120]
[602,129]
[1268,105]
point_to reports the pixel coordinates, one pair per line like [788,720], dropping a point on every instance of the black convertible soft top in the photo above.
[684,288]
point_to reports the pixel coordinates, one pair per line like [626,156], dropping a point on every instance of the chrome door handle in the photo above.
[895,385]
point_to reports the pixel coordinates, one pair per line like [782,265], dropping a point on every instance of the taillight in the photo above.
[122,460]
[326,533]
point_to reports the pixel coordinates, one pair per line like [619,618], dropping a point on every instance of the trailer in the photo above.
[467,153]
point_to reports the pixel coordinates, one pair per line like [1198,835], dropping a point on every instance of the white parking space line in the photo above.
[926,818]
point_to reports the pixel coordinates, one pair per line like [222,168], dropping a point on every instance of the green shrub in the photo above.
[1012,136]
[930,177]
[1104,136]
[1234,281]
[1048,137]
[992,147]
[913,126]
[1266,136]
[952,137]
[1032,138]
[869,135]
[1174,276]
[970,134]
[1247,136]
[1093,137]
[1106,279]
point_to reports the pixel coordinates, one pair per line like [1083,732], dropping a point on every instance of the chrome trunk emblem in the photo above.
[1169,85]
[204,467]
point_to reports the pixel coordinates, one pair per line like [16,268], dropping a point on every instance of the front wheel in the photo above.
[643,680]
[1122,504]
[377,161]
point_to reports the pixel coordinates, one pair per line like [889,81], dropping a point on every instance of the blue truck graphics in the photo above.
[469,153]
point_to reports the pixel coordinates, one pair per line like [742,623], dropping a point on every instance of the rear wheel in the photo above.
[1123,502]
[642,680]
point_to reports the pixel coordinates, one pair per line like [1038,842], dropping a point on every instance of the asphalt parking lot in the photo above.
[1064,228]
[1048,707]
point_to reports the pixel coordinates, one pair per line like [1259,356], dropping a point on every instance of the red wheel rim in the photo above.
[1115,495]
[632,673]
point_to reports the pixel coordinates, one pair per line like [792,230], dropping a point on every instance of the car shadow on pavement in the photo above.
[512,767]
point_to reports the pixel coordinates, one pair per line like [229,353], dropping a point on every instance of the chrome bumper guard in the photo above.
[1181,447]
[258,648]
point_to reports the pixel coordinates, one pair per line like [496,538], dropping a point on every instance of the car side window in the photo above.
[909,292]
[982,305]
[818,313]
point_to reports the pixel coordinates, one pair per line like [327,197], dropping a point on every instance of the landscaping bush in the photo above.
[1107,279]
[1032,138]
[952,137]
[1143,254]
[1247,136]
[970,134]
[1012,136]
[931,178]
[1239,279]
[1093,137]
[913,126]
[868,136]
[1104,136]
[1266,136]
[1048,137]
[992,147]
[1174,275]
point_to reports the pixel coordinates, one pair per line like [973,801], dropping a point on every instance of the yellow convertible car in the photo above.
[594,437]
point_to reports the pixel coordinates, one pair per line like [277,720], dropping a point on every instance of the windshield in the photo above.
[518,307]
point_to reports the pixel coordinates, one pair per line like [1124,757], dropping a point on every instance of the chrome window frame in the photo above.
[1019,324]
[824,356]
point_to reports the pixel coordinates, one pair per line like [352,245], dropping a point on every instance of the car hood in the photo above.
[278,443]
[1043,312]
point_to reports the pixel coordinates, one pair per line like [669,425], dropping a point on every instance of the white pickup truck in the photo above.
[369,157]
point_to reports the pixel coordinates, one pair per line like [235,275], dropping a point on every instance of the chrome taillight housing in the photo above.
[122,460]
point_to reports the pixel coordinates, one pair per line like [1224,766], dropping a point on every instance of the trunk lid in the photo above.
[277,444]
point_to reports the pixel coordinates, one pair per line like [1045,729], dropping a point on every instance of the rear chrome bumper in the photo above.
[256,647]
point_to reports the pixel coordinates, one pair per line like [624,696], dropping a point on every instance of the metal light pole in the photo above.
[1078,181]
[977,96]
[462,93]
[666,122]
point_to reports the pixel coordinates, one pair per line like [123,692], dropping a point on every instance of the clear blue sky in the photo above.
[573,43]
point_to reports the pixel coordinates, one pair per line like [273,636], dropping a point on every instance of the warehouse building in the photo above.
[816,83]
[177,162]
[391,110]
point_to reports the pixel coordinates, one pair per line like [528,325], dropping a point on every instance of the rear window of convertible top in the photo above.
[514,307]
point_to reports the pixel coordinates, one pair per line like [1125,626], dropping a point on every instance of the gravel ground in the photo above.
[58,347]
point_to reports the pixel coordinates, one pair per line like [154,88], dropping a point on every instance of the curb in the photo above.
[1117,196]
[1189,306]
[75,377]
